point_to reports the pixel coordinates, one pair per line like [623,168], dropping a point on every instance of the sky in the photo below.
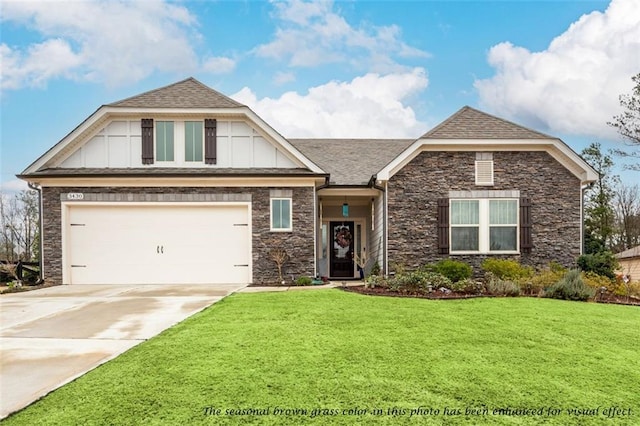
[349,69]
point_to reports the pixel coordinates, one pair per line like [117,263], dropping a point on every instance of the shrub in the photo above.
[375,269]
[570,287]
[304,281]
[373,281]
[506,269]
[602,263]
[499,287]
[418,282]
[596,282]
[453,269]
[544,279]
[467,285]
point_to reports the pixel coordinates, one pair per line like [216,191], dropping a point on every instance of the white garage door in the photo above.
[157,244]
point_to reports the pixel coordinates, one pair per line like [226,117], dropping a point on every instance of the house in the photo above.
[629,261]
[184,185]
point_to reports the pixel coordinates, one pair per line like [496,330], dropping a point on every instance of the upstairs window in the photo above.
[164,141]
[193,141]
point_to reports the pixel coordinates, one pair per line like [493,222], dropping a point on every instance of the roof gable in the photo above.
[189,93]
[469,123]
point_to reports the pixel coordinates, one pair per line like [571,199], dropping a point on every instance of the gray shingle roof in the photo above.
[627,254]
[469,123]
[351,161]
[189,93]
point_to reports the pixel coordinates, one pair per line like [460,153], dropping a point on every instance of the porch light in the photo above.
[345,210]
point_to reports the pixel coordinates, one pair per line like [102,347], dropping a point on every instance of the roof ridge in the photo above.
[167,87]
[465,109]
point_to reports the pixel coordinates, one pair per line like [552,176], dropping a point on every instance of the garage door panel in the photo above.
[158,244]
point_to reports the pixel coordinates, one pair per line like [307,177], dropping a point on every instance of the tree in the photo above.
[599,215]
[19,230]
[626,206]
[628,123]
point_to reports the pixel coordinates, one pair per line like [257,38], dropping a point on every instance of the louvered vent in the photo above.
[484,172]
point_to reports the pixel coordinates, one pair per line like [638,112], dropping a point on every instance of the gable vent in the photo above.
[484,172]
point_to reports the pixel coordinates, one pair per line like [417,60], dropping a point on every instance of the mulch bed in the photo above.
[440,295]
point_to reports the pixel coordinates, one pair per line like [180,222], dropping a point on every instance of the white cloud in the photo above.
[14,185]
[573,85]
[368,106]
[284,77]
[219,65]
[312,33]
[111,41]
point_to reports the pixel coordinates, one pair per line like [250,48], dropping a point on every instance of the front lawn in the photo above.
[331,357]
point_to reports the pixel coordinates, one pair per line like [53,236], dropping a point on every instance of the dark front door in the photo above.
[341,262]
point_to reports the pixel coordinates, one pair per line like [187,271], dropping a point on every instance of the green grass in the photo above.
[335,350]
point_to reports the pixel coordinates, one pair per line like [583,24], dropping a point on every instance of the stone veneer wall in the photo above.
[299,243]
[413,193]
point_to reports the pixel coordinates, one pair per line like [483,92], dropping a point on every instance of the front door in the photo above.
[341,259]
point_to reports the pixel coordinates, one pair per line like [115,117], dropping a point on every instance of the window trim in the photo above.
[484,227]
[290,228]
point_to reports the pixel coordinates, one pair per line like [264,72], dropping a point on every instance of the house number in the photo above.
[75,196]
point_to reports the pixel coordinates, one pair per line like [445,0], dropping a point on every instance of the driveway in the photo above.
[51,336]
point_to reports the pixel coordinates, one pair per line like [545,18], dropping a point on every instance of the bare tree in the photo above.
[626,205]
[280,257]
[628,124]
[19,230]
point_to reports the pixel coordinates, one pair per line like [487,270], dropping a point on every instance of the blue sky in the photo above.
[322,69]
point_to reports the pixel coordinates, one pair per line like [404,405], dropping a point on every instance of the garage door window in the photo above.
[281,214]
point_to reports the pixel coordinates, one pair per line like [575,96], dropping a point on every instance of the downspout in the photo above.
[583,188]
[37,188]
[315,233]
[383,189]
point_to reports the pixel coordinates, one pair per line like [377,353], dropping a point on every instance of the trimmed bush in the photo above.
[570,287]
[603,263]
[596,282]
[543,279]
[453,269]
[506,269]
[499,287]
[304,281]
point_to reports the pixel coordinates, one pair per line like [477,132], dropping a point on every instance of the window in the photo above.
[465,225]
[164,141]
[503,225]
[281,214]
[193,140]
[484,226]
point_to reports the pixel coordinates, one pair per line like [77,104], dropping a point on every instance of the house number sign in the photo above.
[75,196]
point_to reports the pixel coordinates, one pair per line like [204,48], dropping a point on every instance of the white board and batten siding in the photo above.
[157,243]
[119,145]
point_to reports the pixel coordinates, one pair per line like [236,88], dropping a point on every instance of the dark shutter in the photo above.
[526,242]
[147,141]
[210,135]
[443,225]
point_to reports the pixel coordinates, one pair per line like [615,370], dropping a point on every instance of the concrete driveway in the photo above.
[51,336]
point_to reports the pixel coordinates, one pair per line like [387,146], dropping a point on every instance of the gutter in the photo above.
[41,226]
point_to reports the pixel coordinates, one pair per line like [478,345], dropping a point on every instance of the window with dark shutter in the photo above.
[147,141]
[443,225]
[210,135]
[526,242]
